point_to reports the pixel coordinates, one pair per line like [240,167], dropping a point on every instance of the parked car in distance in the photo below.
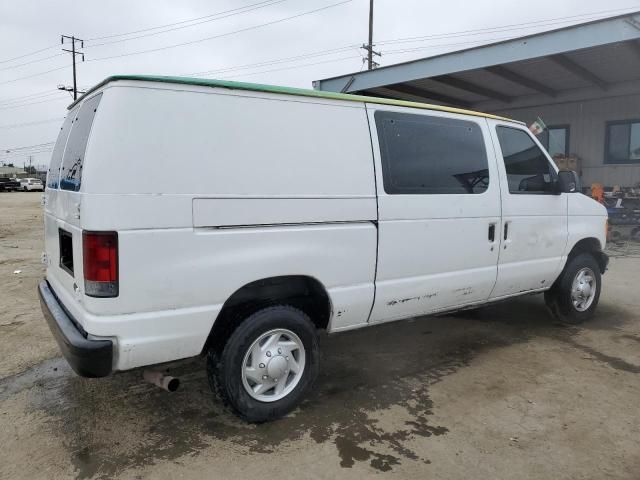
[31,184]
[9,185]
[307,211]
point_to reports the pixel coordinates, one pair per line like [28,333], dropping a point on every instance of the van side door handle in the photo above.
[506,230]
[492,232]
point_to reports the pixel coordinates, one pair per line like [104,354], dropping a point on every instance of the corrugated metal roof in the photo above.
[589,59]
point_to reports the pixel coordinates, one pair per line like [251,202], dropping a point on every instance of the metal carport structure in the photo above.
[584,77]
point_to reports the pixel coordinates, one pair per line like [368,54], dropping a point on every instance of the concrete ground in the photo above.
[504,392]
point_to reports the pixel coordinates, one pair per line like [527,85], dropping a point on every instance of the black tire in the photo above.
[224,365]
[558,298]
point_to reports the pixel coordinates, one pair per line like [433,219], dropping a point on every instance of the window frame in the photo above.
[607,137]
[378,117]
[567,139]
[545,154]
[65,183]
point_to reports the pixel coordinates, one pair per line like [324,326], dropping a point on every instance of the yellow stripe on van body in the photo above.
[256,87]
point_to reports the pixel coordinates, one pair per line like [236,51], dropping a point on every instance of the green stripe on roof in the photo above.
[256,87]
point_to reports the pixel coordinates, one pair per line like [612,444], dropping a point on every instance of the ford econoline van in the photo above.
[188,217]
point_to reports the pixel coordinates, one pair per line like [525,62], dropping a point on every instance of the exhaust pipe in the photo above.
[159,379]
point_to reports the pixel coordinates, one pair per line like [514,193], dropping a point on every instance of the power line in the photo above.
[32,75]
[293,66]
[27,54]
[29,124]
[9,107]
[174,23]
[219,16]
[254,27]
[30,62]
[27,98]
[36,145]
[24,154]
[265,63]
[517,26]
[437,45]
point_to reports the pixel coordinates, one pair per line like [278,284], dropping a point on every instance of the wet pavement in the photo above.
[501,392]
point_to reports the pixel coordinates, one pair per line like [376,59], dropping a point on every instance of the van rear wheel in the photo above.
[574,296]
[267,365]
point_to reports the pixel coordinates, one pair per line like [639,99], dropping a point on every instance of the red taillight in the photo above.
[100,260]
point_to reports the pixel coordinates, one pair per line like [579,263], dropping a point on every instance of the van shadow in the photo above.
[115,424]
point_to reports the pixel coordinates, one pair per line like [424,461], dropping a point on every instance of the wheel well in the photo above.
[303,292]
[592,246]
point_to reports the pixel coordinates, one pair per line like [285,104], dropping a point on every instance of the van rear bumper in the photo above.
[88,358]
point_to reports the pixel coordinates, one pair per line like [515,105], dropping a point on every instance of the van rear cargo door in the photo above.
[63,233]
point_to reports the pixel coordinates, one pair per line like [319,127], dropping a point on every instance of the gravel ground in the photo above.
[503,392]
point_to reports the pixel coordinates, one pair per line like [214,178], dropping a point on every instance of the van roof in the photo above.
[206,82]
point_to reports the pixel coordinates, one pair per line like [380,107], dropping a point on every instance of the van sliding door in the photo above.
[439,211]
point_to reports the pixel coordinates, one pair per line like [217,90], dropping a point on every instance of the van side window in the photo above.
[528,170]
[71,172]
[423,154]
[53,174]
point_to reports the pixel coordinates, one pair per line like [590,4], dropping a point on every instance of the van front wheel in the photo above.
[267,364]
[574,296]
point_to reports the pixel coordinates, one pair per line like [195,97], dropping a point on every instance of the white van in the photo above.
[189,217]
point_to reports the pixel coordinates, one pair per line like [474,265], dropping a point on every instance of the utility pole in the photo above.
[73,53]
[369,47]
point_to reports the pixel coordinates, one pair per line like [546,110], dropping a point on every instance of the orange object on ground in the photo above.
[597,192]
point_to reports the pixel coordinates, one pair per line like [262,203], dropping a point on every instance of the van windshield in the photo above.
[71,172]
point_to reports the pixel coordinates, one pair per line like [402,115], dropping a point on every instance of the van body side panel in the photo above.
[174,282]
[221,212]
[210,191]
[434,250]
[219,142]
[587,219]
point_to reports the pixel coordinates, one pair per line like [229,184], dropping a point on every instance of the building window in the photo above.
[556,140]
[428,155]
[622,142]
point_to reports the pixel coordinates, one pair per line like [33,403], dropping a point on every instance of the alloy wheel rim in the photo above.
[273,365]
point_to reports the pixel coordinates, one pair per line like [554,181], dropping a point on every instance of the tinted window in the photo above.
[431,155]
[556,140]
[71,172]
[528,170]
[623,142]
[53,174]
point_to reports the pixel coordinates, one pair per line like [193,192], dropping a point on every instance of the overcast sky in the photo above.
[323,39]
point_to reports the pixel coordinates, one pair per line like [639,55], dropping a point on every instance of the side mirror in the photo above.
[568,182]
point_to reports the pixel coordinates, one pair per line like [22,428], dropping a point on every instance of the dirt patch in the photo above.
[499,392]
